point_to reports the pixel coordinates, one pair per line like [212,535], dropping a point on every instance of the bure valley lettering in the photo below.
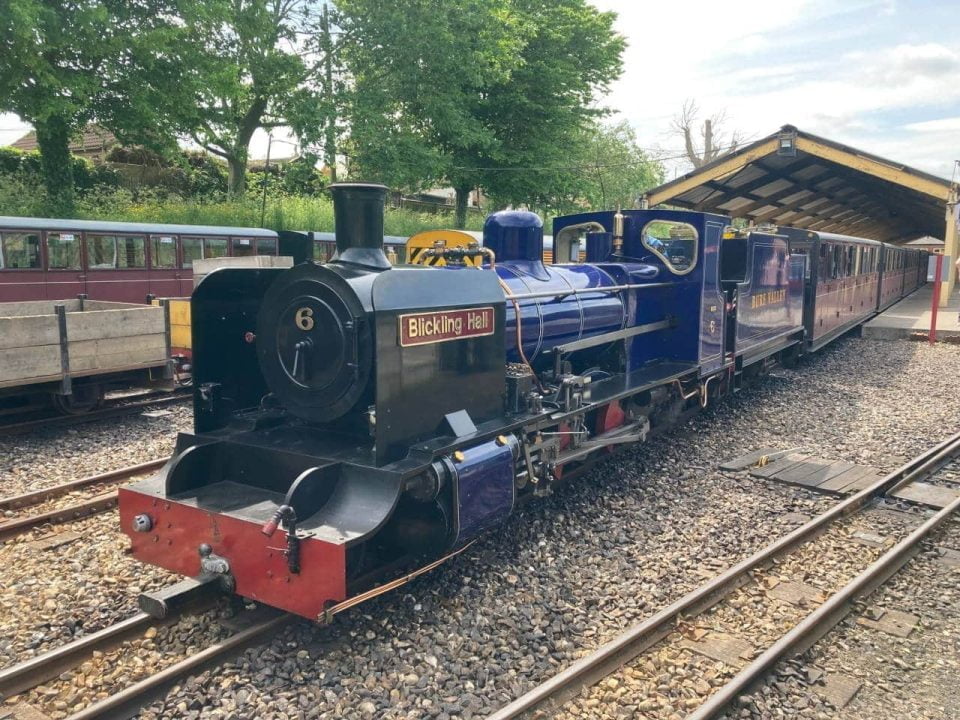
[770,297]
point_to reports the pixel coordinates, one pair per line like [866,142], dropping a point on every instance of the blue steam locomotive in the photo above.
[381,417]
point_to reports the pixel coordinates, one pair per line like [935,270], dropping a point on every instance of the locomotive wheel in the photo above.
[83,399]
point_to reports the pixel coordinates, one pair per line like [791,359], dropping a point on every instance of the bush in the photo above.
[22,196]
[10,160]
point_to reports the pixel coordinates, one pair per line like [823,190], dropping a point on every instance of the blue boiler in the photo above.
[551,314]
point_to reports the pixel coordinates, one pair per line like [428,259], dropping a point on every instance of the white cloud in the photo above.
[848,71]
[950,124]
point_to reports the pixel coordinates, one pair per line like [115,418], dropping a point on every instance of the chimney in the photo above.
[358,219]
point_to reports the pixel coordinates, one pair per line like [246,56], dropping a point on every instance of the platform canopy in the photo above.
[800,180]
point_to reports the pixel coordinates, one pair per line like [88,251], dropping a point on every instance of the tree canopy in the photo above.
[501,95]
[237,67]
[59,64]
[458,92]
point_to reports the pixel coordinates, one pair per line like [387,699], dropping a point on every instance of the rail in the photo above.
[89,506]
[608,658]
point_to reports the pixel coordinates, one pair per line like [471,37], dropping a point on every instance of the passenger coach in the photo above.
[46,259]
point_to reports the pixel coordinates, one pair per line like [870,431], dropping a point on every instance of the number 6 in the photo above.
[304,318]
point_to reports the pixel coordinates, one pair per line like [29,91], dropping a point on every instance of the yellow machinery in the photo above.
[443,239]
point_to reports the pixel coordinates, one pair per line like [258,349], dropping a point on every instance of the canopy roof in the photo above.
[801,180]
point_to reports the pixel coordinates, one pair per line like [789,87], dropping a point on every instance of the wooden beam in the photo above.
[877,169]
[747,188]
[711,171]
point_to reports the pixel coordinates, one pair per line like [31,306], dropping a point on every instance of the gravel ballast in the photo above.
[50,457]
[573,570]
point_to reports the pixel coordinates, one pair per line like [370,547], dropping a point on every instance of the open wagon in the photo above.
[72,351]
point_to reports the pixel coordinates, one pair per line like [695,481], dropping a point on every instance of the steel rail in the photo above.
[611,656]
[35,497]
[819,622]
[23,676]
[129,701]
[104,414]
[30,673]
[91,506]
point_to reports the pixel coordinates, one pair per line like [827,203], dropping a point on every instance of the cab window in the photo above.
[19,251]
[164,251]
[63,251]
[673,242]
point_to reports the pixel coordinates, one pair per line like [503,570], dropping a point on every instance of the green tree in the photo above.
[58,60]
[419,69]
[457,92]
[615,169]
[238,68]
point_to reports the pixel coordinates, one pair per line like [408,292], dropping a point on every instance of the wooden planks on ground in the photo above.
[796,468]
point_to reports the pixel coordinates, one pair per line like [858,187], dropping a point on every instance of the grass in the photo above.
[282,213]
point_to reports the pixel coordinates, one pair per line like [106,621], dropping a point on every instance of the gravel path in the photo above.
[51,457]
[574,570]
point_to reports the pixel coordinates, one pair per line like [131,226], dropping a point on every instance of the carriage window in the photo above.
[19,251]
[131,252]
[164,251]
[267,246]
[243,247]
[101,252]
[63,251]
[674,243]
[192,250]
[214,247]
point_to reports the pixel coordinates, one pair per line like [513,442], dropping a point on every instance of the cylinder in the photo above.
[358,223]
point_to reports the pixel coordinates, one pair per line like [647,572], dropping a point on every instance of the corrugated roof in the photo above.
[93,139]
[797,179]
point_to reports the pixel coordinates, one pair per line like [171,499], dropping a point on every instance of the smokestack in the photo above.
[358,218]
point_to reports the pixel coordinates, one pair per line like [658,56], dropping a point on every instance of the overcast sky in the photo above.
[881,75]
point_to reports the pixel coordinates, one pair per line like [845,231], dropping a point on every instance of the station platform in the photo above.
[910,318]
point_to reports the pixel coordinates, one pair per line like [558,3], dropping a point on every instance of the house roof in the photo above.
[93,139]
[797,179]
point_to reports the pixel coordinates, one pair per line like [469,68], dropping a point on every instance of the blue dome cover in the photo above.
[514,235]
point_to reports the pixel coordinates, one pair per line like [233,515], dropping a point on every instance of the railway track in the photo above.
[548,698]
[171,604]
[44,506]
[122,407]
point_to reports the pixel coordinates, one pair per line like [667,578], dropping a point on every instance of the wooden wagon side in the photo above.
[51,346]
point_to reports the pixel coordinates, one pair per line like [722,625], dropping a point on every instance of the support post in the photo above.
[66,384]
[951,246]
[935,298]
